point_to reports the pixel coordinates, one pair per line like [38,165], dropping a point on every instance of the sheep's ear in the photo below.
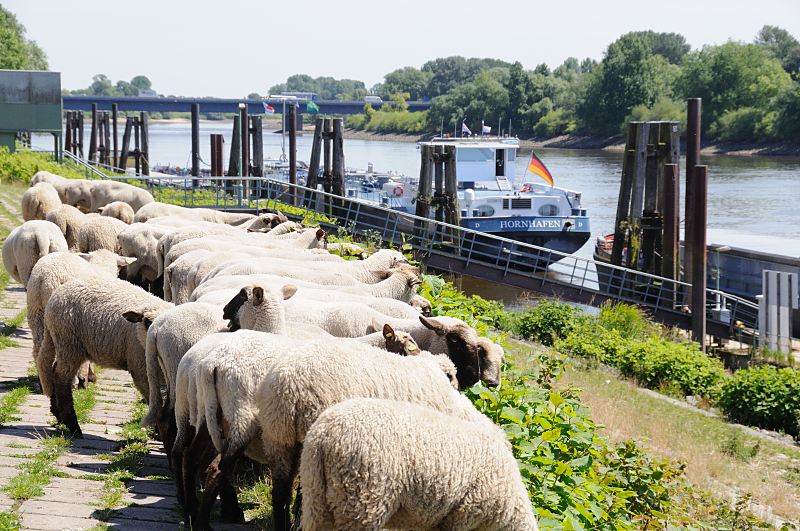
[85,256]
[100,209]
[232,308]
[374,327]
[433,324]
[363,255]
[288,291]
[281,217]
[258,296]
[388,332]
[134,317]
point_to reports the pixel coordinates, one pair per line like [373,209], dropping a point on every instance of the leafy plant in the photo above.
[547,321]
[764,396]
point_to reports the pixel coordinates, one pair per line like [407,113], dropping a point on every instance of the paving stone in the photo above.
[152,487]
[74,506]
[49,522]
[152,513]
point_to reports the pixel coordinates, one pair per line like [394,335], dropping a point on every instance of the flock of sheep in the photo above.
[247,337]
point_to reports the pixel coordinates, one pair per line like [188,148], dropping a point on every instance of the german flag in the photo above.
[537,166]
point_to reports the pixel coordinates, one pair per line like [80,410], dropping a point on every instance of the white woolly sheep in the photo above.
[157,210]
[69,220]
[315,376]
[417,469]
[422,305]
[118,209]
[75,192]
[87,321]
[399,342]
[264,222]
[174,332]
[38,200]
[27,244]
[56,269]
[105,192]
[100,232]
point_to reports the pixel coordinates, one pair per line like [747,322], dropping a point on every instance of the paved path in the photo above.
[72,498]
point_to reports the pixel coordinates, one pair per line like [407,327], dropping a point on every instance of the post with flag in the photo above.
[312,107]
[268,109]
[465,130]
[485,129]
[537,166]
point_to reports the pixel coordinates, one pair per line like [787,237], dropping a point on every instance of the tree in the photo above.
[101,86]
[407,79]
[782,46]
[484,98]
[255,96]
[519,89]
[671,46]
[629,75]
[126,89]
[447,73]
[16,51]
[787,122]
[732,76]
[141,82]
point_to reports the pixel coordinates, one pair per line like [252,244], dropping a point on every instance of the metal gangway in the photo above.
[458,250]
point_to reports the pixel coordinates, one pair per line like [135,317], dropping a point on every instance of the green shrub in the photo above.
[21,165]
[480,313]
[738,125]
[628,320]
[547,321]
[654,362]
[555,123]
[764,396]
[356,121]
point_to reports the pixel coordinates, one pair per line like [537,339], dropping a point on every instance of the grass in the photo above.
[10,401]
[719,457]
[36,473]
[9,521]
[125,463]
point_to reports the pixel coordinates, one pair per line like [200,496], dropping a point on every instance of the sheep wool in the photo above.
[374,464]
[69,220]
[118,209]
[38,200]
[104,321]
[27,244]
[100,232]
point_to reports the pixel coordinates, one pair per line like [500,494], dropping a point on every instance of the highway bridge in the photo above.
[161,104]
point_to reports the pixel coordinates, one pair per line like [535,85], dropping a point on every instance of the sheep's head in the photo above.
[109,262]
[399,342]
[491,357]
[461,341]
[449,370]
[322,239]
[256,308]
[422,305]
[142,318]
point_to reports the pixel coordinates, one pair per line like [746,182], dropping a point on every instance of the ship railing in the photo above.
[544,268]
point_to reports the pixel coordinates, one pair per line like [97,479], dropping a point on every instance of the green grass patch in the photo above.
[36,473]
[11,400]
[14,323]
[84,400]
[125,463]
[9,521]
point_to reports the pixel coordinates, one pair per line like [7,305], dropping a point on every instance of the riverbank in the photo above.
[611,144]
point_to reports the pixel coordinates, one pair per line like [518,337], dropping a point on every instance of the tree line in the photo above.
[750,91]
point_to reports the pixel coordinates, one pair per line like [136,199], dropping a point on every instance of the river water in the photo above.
[753,202]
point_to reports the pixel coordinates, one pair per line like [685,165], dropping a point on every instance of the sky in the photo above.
[231,48]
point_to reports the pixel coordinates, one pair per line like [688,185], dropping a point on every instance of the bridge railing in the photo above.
[431,239]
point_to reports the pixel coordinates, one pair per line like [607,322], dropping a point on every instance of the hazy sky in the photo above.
[229,48]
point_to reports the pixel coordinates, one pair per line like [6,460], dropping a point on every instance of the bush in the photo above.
[764,396]
[555,123]
[739,125]
[628,320]
[356,121]
[663,110]
[654,362]
[547,321]
[21,165]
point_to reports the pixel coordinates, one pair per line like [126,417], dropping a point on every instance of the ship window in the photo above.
[512,155]
[520,202]
[484,210]
[505,204]
[500,162]
[474,154]
[548,210]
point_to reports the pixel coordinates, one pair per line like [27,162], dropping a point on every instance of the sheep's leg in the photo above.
[284,469]
[183,473]
[83,375]
[218,481]
[167,430]
[62,396]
